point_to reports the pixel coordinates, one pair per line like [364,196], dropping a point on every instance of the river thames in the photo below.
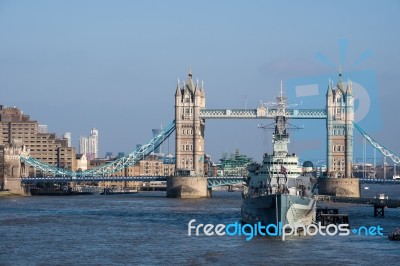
[147,228]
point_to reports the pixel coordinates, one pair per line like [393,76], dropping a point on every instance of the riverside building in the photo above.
[46,147]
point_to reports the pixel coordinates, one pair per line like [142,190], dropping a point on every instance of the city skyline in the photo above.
[120,73]
[90,145]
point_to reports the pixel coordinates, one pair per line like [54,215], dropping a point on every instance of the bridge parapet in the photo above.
[211,181]
[261,113]
[391,203]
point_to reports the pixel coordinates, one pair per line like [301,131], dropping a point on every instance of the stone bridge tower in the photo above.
[189,180]
[339,127]
[340,117]
[14,169]
[189,137]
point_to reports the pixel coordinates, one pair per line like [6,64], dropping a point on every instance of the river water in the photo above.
[147,228]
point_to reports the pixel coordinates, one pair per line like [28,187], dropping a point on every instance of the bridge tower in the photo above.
[339,127]
[189,136]
[13,169]
[189,180]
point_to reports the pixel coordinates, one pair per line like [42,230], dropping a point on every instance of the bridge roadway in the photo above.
[379,181]
[390,203]
[262,113]
[212,181]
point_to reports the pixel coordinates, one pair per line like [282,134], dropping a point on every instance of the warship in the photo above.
[277,190]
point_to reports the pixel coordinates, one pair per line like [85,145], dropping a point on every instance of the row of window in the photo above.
[33,139]
[185,161]
[339,110]
[22,132]
[276,173]
[151,168]
[294,163]
[340,99]
[187,147]
[187,131]
[338,132]
[339,148]
[187,110]
[341,159]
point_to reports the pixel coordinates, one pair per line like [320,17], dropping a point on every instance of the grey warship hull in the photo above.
[275,208]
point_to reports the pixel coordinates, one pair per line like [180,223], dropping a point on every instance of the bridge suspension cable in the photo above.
[133,157]
[385,151]
[45,167]
[111,167]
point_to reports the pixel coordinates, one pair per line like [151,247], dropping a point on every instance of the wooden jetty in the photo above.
[379,202]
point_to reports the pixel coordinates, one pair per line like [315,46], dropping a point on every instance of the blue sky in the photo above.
[113,65]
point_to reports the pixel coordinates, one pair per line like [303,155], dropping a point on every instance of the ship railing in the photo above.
[256,194]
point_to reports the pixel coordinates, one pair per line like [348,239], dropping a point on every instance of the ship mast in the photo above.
[280,137]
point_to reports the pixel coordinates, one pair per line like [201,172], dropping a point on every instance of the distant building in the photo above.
[208,171]
[81,162]
[94,143]
[109,155]
[83,145]
[42,129]
[17,127]
[235,165]
[156,132]
[90,145]
[67,136]
[151,165]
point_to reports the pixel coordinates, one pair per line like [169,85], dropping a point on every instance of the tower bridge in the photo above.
[189,126]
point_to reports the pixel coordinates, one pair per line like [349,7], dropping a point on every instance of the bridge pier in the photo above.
[187,187]
[340,187]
